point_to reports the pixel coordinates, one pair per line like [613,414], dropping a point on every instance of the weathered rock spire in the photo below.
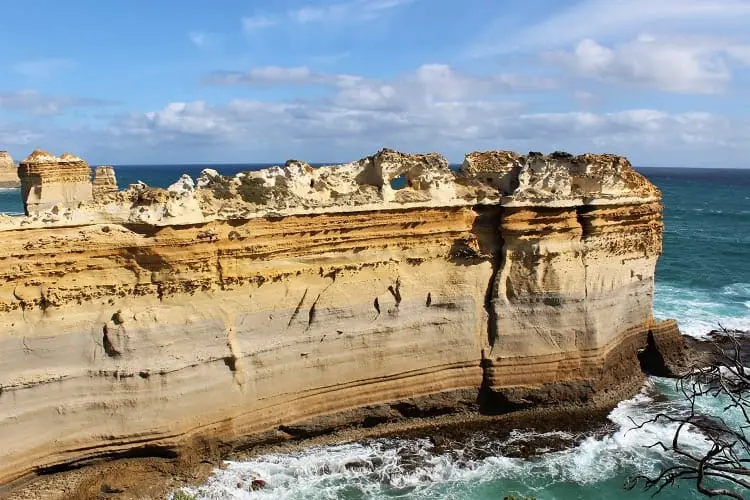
[105,182]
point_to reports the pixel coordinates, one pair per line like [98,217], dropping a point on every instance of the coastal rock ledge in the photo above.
[294,301]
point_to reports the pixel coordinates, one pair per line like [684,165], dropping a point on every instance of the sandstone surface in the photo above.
[293,301]
[8,171]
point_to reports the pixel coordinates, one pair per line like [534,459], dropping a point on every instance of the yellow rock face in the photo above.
[319,298]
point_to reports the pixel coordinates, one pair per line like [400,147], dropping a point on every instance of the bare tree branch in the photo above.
[723,469]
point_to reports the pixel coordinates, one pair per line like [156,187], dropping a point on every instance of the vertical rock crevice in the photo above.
[487,228]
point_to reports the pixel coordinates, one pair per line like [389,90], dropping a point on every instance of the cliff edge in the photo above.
[294,301]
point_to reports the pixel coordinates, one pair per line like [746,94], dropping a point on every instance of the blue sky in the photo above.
[665,82]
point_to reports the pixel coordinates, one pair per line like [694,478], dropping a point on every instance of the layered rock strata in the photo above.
[8,171]
[104,183]
[49,181]
[296,300]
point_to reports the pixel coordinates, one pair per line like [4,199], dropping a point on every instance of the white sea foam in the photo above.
[413,469]
[699,311]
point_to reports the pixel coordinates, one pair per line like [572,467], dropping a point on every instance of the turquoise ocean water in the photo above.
[703,279]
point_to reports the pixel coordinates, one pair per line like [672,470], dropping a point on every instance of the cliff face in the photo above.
[295,300]
[8,171]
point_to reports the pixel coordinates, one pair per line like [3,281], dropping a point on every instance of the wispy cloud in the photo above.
[203,40]
[614,19]
[430,81]
[586,99]
[45,104]
[353,10]
[341,12]
[276,75]
[17,136]
[42,68]
[251,24]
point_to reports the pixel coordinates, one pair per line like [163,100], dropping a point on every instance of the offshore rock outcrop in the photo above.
[104,184]
[48,181]
[293,301]
[8,171]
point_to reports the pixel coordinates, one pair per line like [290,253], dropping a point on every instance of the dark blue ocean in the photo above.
[702,280]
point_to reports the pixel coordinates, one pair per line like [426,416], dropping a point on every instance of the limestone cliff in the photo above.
[296,300]
[8,171]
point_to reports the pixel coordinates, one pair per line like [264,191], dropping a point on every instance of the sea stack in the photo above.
[48,180]
[105,182]
[8,171]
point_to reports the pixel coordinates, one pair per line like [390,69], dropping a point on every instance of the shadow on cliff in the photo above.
[484,243]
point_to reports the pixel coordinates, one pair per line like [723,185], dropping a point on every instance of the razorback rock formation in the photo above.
[48,181]
[8,171]
[104,184]
[294,300]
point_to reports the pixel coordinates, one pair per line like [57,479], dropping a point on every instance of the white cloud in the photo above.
[42,68]
[432,102]
[631,127]
[431,108]
[330,132]
[45,104]
[684,65]
[617,19]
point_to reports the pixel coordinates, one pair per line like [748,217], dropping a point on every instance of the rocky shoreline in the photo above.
[156,477]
